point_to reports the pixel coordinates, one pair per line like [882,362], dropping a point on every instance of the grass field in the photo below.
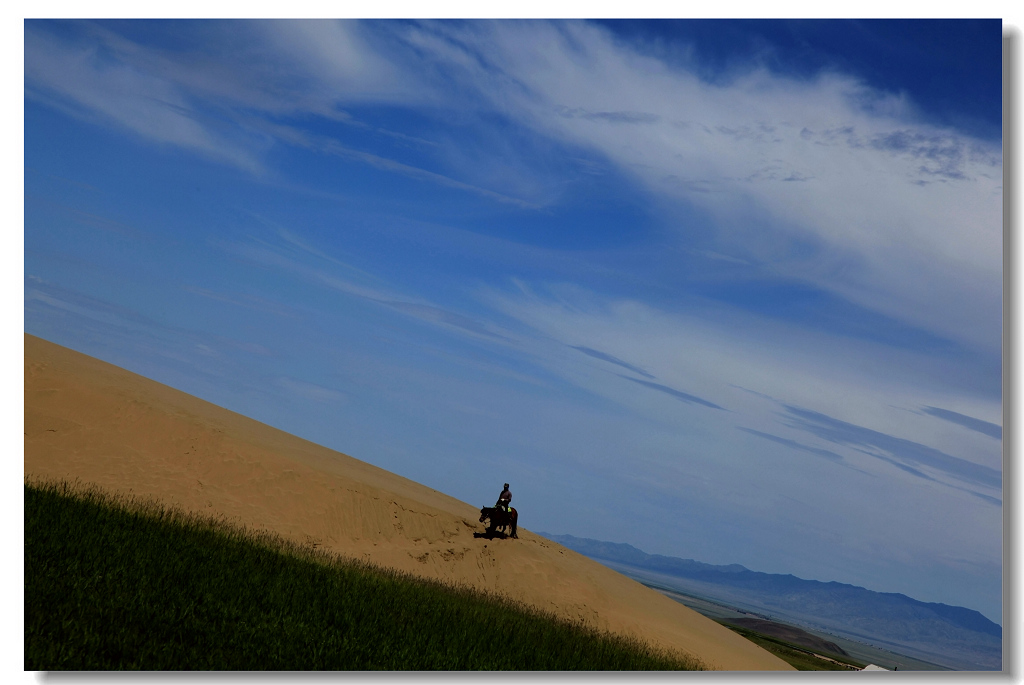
[796,656]
[117,584]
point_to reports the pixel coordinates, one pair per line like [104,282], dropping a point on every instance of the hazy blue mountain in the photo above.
[952,636]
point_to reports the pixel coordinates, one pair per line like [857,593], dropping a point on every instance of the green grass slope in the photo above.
[796,655]
[117,584]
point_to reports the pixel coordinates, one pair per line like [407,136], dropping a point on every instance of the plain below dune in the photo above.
[89,421]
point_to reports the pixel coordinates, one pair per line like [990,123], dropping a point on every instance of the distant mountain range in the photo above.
[951,636]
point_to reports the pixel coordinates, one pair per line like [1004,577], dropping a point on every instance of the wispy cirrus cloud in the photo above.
[907,453]
[678,394]
[224,107]
[445,317]
[917,473]
[334,148]
[793,444]
[311,391]
[243,300]
[984,427]
[298,258]
[92,83]
[611,117]
[40,292]
[597,354]
[876,217]
[860,223]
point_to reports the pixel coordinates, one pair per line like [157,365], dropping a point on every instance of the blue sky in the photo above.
[722,290]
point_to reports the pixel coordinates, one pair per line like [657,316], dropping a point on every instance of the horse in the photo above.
[499,519]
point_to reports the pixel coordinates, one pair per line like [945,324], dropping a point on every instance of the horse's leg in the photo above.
[495,525]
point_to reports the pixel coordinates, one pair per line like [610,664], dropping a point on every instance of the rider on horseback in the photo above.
[501,515]
[504,499]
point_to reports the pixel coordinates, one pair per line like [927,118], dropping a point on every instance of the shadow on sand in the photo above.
[490,535]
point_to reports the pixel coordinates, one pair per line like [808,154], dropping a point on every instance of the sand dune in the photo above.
[90,421]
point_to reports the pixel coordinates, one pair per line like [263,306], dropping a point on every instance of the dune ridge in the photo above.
[90,421]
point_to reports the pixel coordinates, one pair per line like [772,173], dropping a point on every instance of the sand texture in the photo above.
[89,421]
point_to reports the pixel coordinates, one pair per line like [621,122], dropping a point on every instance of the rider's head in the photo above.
[506,486]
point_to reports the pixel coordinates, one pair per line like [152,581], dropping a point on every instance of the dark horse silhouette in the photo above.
[499,519]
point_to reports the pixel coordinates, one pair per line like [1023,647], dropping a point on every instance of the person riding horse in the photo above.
[502,515]
[504,499]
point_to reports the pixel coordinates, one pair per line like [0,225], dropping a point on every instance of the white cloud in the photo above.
[329,272]
[748,365]
[341,62]
[116,92]
[823,180]
[904,218]
[310,391]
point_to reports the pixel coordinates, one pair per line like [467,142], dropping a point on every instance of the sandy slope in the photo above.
[88,420]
